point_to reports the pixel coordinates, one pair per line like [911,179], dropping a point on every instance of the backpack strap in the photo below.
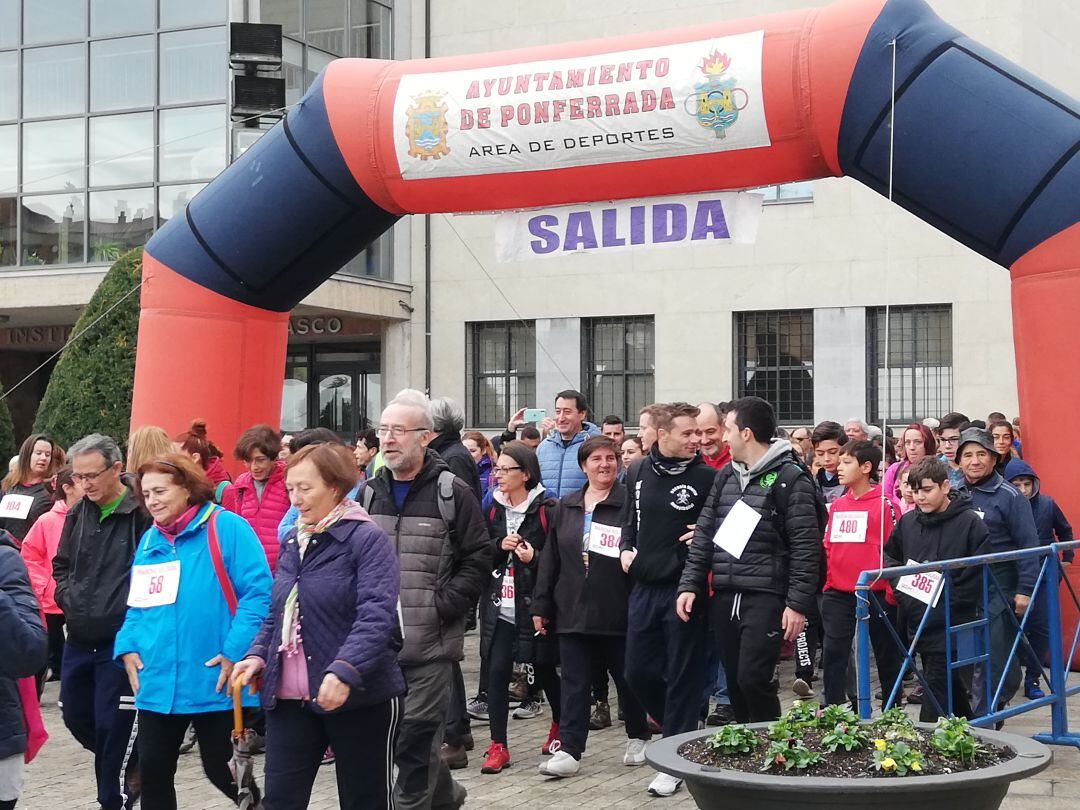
[447,504]
[219,490]
[543,519]
[219,564]
[367,495]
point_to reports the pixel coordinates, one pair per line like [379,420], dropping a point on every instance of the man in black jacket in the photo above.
[91,569]
[760,535]
[449,421]
[434,521]
[665,658]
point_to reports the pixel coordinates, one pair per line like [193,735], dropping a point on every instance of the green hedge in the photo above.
[90,388]
[7,434]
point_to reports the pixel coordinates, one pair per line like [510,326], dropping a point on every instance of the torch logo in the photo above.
[716,99]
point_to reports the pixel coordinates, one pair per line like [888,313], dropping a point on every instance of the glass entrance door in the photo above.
[336,387]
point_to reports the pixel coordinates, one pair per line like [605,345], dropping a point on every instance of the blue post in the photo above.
[1059,714]
[862,645]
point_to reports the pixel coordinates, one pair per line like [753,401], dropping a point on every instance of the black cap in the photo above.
[977,435]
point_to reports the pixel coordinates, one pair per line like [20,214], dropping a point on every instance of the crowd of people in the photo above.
[332,587]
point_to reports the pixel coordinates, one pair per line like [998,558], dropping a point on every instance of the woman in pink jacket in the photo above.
[38,550]
[259,495]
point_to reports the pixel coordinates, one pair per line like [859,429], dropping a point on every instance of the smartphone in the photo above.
[534,415]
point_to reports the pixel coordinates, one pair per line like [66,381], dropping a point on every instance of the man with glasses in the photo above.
[801,444]
[948,436]
[91,569]
[435,523]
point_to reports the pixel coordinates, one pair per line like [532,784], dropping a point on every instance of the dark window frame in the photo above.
[927,351]
[474,377]
[629,407]
[789,409]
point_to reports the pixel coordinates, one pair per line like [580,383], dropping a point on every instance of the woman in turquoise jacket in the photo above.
[199,590]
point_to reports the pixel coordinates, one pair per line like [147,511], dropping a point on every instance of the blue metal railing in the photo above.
[968,644]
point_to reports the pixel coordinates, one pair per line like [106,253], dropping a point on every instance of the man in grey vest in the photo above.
[434,521]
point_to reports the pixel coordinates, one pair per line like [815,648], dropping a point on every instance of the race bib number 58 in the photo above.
[154,585]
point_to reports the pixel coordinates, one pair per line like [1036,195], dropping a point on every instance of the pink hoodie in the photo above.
[38,550]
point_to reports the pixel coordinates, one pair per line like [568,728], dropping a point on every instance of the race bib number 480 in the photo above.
[154,585]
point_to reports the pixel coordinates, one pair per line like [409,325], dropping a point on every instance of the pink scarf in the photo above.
[173,529]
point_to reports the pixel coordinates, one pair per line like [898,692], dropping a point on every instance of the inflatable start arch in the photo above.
[984,151]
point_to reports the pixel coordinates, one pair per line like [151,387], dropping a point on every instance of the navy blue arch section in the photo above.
[277,222]
[984,151]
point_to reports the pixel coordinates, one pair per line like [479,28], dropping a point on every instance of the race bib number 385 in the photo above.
[154,585]
[926,587]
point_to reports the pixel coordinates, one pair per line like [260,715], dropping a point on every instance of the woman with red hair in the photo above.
[196,443]
[916,443]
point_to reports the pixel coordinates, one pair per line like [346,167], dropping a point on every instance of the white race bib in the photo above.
[154,585]
[734,533]
[848,527]
[16,506]
[605,540]
[507,593]
[926,587]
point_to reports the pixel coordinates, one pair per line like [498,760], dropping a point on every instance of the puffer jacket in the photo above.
[576,600]
[42,503]
[784,554]
[92,568]
[175,641]
[264,514]
[1050,522]
[528,647]
[23,644]
[443,571]
[347,586]
[38,549]
[559,466]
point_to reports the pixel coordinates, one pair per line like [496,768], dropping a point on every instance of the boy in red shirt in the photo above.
[860,522]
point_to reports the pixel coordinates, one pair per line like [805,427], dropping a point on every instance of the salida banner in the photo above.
[681,221]
[684,99]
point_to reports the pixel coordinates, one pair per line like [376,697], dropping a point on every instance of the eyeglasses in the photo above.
[948,439]
[89,477]
[504,470]
[397,431]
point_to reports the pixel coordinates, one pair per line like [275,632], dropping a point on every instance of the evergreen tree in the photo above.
[91,387]
[7,434]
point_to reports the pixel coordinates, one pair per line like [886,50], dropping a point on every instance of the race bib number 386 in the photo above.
[154,585]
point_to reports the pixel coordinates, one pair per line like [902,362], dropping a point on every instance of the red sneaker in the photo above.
[497,758]
[553,737]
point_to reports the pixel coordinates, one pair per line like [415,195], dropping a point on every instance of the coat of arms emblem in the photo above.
[717,100]
[426,126]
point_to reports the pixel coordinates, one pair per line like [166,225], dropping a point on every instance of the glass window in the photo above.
[369,24]
[377,261]
[178,13]
[121,150]
[244,138]
[500,365]
[9,85]
[110,17]
[775,360]
[53,20]
[285,13]
[294,394]
[802,191]
[54,81]
[9,159]
[119,221]
[618,356]
[52,229]
[919,379]
[9,23]
[192,143]
[172,200]
[326,25]
[316,64]
[292,70]
[193,66]
[54,155]
[9,208]
[122,73]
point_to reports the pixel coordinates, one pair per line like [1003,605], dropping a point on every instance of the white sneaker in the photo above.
[635,753]
[561,764]
[664,785]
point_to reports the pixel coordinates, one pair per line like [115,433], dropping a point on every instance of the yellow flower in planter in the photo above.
[915,766]
[888,764]
[879,745]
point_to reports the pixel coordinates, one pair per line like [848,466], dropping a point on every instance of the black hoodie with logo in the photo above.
[664,496]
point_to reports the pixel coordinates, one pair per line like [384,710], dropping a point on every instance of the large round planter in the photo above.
[981,789]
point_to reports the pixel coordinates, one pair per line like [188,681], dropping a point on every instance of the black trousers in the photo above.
[54,623]
[747,628]
[363,741]
[665,658]
[579,654]
[457,715]
[936,672]
[501,662]
[160,737]
[838,621]
[806,643]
